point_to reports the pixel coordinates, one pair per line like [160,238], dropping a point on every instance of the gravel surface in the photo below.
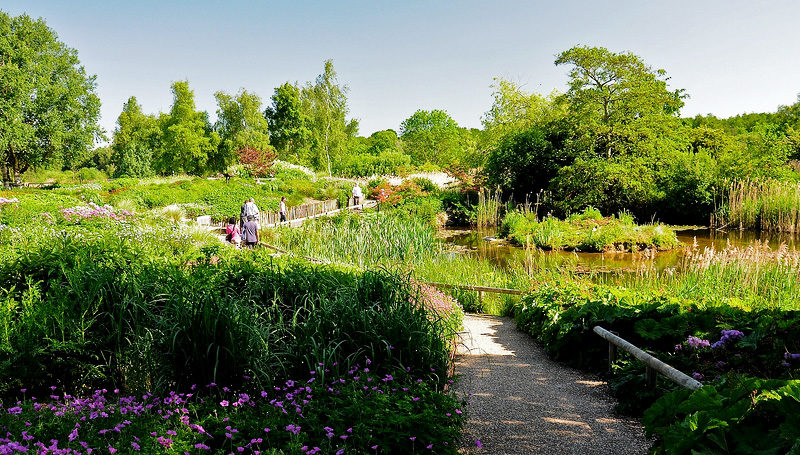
[521,402]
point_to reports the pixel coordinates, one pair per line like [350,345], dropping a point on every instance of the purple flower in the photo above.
[789,356]
[294,429]
[202,446]
[697,376]
[478,443]
[697,343]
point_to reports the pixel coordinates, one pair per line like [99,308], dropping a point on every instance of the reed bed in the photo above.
[488,209]
[768,205]
[360,240]
[751,277]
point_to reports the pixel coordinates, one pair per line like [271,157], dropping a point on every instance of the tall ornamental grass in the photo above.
[88,311]
[488,209]
[360,240]
[768,205]
[750,277]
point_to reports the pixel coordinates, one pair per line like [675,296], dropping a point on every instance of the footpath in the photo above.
[521,402]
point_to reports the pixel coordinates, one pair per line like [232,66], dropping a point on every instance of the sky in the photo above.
[730,56]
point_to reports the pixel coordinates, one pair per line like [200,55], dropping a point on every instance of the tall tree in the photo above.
[514,110]
[136,137]
[616,97]
[48,105]
[289,125]
[240,125]
[187,136]
[434,137]
[325,103]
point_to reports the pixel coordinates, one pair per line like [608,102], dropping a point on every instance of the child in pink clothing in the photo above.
[233,232]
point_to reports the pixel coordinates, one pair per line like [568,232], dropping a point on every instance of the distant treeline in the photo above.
[614,140]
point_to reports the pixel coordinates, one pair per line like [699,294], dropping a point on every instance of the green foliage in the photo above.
[240,126]
[362,240]
[737,415]
[136,138]
[289,125]
[561,317]
[187,139]
[325,104]
[587,231]
[514,110]
[434,137]
[524,162]
[614,96]
[199,322]
[366,165]
[60,121]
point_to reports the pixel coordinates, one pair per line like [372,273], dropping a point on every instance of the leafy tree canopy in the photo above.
[434,137]
[136,138]
[48,105]
[613,97]
[187,136]
[289,125]
[240,125]
[325,104]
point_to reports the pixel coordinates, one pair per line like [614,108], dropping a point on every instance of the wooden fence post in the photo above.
[612,356]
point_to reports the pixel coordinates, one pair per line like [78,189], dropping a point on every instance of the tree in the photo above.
[514,110]
[136,137]
[615,96]
[240,125]
[434,137]
[187,136]
[524,163]
[48,105]
[325,103]
[289,125]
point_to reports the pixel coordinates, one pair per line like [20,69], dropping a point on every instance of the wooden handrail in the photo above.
[652,363]
[468,287]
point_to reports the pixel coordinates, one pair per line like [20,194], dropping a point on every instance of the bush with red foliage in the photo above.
[256,161]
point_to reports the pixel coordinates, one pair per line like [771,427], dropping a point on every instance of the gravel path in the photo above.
[521,402]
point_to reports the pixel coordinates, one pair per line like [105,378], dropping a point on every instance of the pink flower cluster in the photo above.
[436,300]
[8,201]
[93,210]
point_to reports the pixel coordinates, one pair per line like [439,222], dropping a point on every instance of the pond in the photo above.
[501,253]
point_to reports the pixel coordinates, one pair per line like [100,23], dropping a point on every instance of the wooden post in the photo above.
[652,363]
[612,356]
[650,377]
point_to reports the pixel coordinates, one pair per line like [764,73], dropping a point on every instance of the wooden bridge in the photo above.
[299,213]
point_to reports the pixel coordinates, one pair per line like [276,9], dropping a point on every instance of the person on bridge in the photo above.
[357,194]
[250,208]
[282,209]
[251,237]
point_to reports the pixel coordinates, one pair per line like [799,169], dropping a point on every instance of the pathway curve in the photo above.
[521,402]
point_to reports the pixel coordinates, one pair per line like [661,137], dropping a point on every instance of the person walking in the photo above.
[251,209]
[233,232]
[251,237]
[282,209]
[243,215]
[357,194]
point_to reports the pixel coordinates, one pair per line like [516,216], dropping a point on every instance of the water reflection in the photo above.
[502,254]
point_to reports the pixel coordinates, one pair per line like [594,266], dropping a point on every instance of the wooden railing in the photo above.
[311,209]
[300,212]
[479,289]
[653,364]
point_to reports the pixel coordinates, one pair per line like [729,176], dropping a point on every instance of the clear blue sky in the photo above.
[731,56]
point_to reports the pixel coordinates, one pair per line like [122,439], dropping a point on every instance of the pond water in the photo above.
[501,253]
